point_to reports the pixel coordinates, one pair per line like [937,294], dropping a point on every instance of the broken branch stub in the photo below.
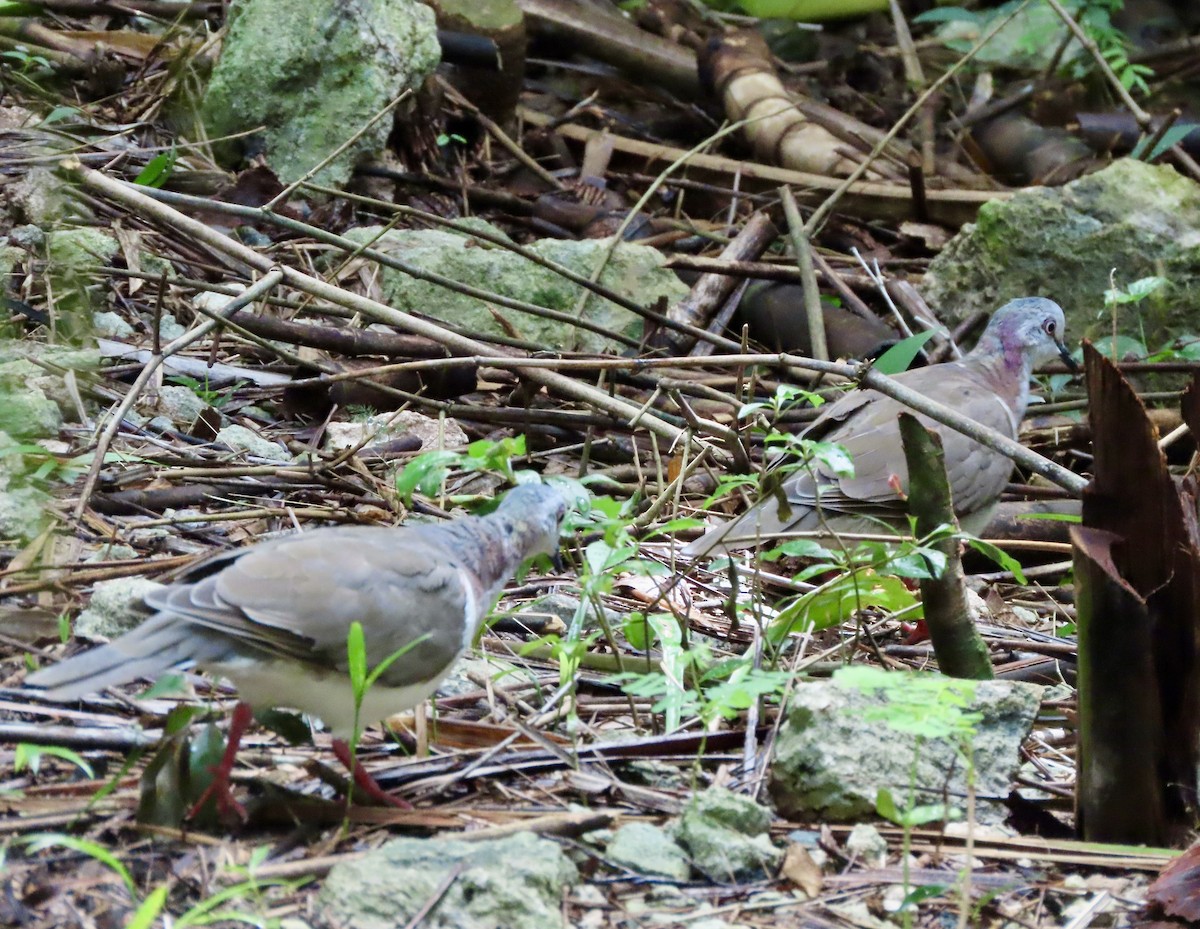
[960,650]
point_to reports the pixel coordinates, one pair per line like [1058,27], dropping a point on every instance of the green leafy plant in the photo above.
[30,756]
[25,60]
[1115,300]
[219,910]
[760,417]
[35,466]
[685,680]
[213,397]
[809,11]
[690,684]
[362,678]
[1134,293]
[45,840]
[210,911]
[149,909]
[1095,18]
[612,552]
[1169,139]
[360,412]
[786,397]
[862,574]
[427,473]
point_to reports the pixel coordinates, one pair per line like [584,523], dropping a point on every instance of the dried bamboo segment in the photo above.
[1137,591]
[738,70]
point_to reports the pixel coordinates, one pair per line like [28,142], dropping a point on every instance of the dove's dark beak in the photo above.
[1065,354]
[556,559]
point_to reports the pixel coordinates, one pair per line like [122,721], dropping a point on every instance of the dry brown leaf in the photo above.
[800,868]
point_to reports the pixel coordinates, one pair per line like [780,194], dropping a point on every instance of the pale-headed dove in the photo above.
[274,617]
[990,385]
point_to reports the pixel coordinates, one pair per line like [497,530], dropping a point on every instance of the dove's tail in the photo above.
[758,522]
[708,543]
[160,643]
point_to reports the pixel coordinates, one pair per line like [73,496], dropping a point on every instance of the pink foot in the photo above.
[364,780]
[220,791]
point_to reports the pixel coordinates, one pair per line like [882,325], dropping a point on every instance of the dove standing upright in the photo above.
[990,385]
[274,617]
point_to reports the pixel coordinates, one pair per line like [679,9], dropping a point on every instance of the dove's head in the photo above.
[1026,333]
[536,513]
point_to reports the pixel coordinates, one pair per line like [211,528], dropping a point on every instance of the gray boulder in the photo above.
[115,607]
[840,745]
[1132,219]
[726,835]
[499,884]
[647,849]
[633,270]
[313,74]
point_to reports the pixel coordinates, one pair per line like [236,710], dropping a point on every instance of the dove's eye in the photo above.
[1049,327]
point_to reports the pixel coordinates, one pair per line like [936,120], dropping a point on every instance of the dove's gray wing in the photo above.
[869,430]
[296,597]
[866,424]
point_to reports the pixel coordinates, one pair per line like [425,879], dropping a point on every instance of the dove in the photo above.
[990,385]
[274,618]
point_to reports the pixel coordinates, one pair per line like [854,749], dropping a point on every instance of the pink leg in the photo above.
[363,778]
[220,790]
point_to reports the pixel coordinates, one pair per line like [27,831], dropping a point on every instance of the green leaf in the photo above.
[998,555]
[947,14]
[425,473]
[356,657]
[925,813]
[60,113]
[923,893]
[291,726]
[885,805]
[636,629]
[727,484]
[171,684]
[180,717]
[836,602]
[490,455]
[27,755]
[743,689]
[917,704]
[920,563]
[812,11]
[147,912]
[43,841]
[1121,347]
[1170,138]
[1145,286]
[674,526]
[799,548]
[897,359]
[832,456]
[393,657]
[550,640]
[157,170]
[1052,517]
